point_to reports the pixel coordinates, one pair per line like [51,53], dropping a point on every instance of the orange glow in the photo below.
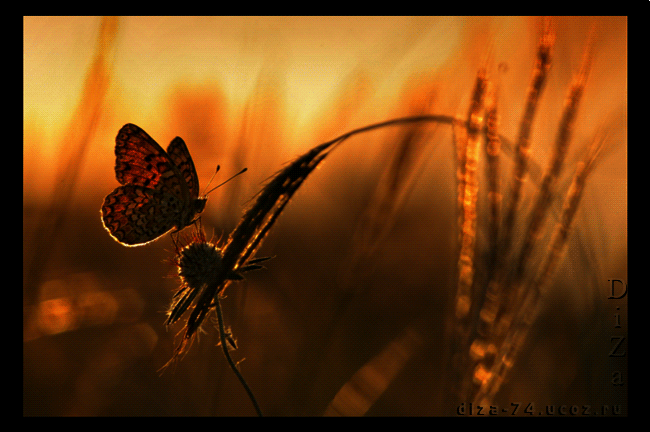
[481,375]
[257,92]
[55,316]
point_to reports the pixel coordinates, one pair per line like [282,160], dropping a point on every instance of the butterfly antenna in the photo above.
[212,178]
[223,183]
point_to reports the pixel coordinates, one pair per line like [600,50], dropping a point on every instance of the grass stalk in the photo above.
[464,300]
[470,194]
[528,309]
[562,142]
[490,309]
[512,305]
[522,150]
[492,152]
[233,366]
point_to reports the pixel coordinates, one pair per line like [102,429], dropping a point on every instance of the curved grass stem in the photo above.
[233,366]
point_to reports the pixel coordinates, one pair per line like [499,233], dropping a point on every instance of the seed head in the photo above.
[198,263]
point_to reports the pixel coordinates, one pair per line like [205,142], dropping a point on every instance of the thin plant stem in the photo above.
[233,366]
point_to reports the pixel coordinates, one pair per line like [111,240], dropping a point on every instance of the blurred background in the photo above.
[348,317]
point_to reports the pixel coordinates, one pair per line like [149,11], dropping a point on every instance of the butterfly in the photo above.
[159,192]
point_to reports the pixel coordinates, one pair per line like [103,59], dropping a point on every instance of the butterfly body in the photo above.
[160,189]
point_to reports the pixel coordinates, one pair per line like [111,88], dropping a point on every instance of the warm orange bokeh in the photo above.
[257,92]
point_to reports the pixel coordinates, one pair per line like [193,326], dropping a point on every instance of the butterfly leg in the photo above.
[175,238]
[197,223]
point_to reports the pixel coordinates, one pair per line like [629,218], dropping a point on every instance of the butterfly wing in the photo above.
[140,161]
[180,156]
[135,215]
[159,192]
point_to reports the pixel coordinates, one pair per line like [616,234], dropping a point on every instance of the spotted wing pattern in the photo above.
[159,192]
[180,156]
[136,215]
